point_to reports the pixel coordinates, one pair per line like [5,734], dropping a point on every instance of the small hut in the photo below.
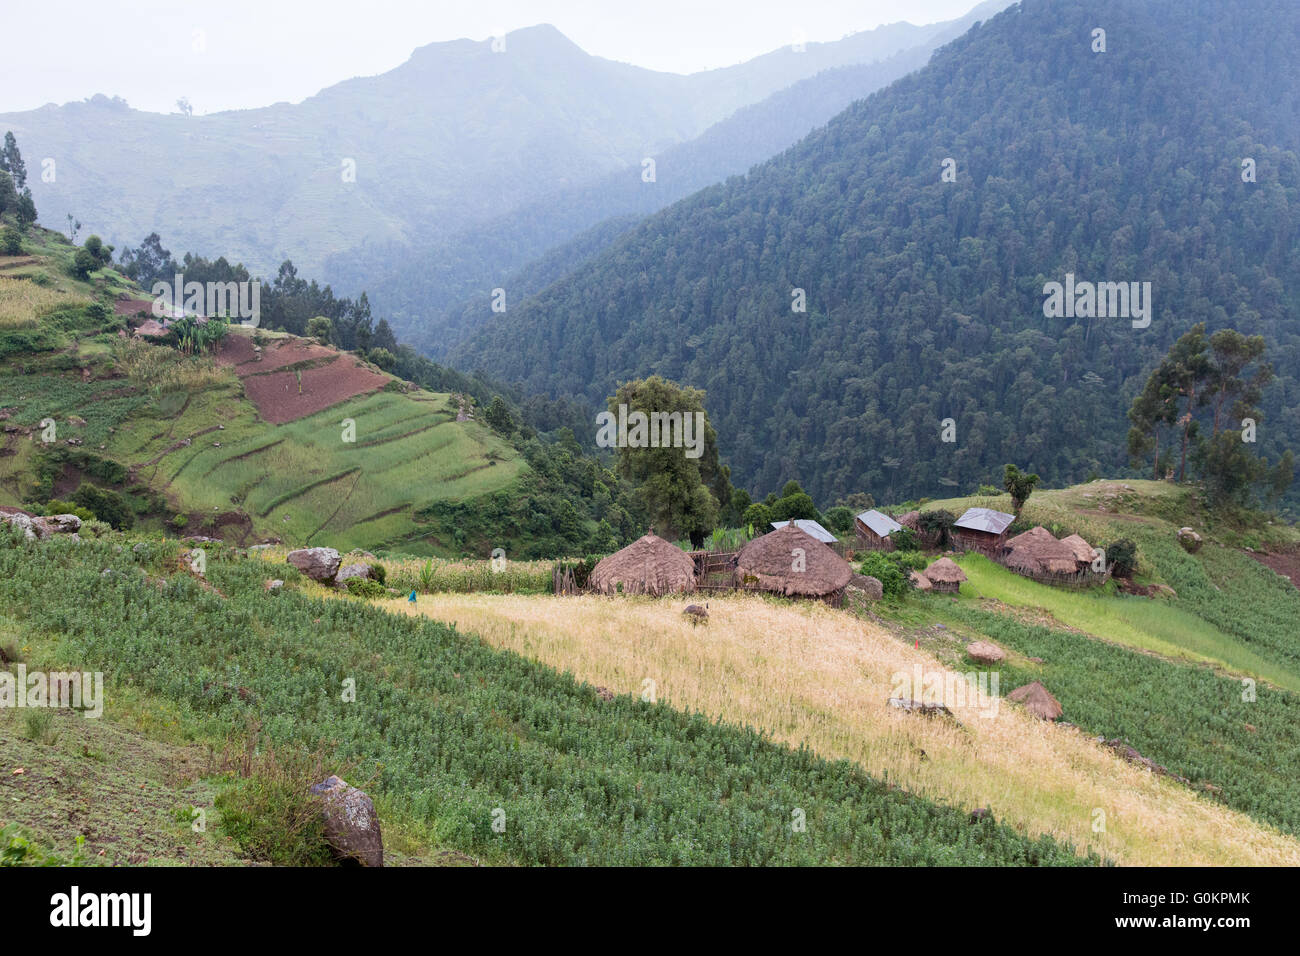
[982,529]
[1037,701]
[790,561]
[649,565]
[1038,554]
[873,528]
[945,575]
[1083,551]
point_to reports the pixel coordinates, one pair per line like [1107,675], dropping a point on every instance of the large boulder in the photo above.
[319,564]
[869,585]
[363,571]
[1189,539]
[23,522]
[351,824]
[63,524]
[982,652]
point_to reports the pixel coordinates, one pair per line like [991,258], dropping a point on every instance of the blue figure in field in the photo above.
[412,597]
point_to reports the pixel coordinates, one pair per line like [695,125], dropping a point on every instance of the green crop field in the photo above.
[454,730]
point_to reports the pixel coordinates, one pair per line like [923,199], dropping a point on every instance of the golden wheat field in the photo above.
[22,302]
[812,675]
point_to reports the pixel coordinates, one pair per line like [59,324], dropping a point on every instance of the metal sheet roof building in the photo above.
[809,527]
[879,522]
[985,519]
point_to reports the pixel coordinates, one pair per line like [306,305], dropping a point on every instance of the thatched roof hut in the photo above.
[945,575]
[1037,701]
[911,520]
[1083,551]
[649,565]
[1038,552]
[792,562]
[921,582]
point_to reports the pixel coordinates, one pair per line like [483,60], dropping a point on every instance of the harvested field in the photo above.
[237,350]
[1285,563]
[279,399]
[811,675]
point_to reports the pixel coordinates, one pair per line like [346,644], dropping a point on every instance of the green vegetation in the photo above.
[924,298]
[453,729]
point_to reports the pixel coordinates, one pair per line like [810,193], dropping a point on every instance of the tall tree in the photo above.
[679,489]
[11,161]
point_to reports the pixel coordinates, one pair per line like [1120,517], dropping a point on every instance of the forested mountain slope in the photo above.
[435,287]
[925,298]
[457,135]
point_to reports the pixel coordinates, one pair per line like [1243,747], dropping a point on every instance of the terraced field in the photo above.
[302,481]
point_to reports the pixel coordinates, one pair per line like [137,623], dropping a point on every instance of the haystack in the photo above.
[1037,701]
[792,562]
[1038,552]
[649,565]
[921,582]
[945,575]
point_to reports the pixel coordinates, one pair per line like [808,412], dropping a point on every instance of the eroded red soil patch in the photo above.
[279,399]
[237,350]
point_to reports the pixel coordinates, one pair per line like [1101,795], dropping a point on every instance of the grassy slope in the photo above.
[817,677]
[453,728]
[298,482]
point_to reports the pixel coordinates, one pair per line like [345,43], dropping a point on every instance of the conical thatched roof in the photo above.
[945,571]
[1081,548]
[649,565]
[1037,701]
[1037,550]
[911,520]
[772,560]
[921,582]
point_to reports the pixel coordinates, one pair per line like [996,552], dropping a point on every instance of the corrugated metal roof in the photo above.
[879,522]
[985,519]
[809,527]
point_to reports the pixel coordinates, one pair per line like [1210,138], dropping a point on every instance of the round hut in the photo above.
[1082,550]
[945,575]
[649,565]
[791,562]
[1037,553]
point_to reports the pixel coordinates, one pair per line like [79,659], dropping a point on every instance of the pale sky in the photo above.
[238,54]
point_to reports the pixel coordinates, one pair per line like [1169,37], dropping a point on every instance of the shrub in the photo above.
[271,813]
[11,242]
[365,588]
[107,506]
[84,263]
[904,540]
[839,519]
[57,507]
[938,524]
[1121,555]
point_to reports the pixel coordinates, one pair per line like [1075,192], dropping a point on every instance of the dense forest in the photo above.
[1167,157]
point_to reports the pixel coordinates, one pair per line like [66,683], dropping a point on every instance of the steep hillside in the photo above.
[925,298]
[424,286]
[269,438]
[456,135]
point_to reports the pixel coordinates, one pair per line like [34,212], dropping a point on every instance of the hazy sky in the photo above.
[243,53]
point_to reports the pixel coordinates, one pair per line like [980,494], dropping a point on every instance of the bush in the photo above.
[839,519]
[904,540]
[11,243]
[365,588]
[1121,555]
[888,570]
[84,263]
[57,507]
[938,525]
[271,813]
[107,506]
